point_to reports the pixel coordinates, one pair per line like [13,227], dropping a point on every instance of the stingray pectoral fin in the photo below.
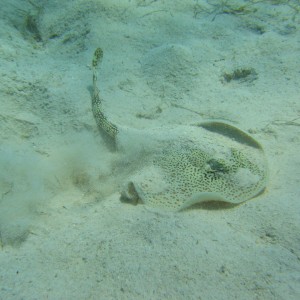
[129,194]
[231,132]
[203,197]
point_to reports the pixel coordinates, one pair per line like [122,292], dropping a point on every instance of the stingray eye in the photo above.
[217,166]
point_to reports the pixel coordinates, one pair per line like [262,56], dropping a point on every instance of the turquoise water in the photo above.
[64,233]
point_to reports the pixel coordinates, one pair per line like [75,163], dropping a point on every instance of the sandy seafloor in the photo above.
[64,232]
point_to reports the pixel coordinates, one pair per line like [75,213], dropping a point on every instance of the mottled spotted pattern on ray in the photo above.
[184,165]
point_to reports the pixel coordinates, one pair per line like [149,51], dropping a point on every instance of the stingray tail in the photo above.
[103,123]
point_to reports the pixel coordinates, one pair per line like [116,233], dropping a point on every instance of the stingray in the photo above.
[179,166]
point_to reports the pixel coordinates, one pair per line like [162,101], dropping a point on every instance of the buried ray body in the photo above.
[180,166]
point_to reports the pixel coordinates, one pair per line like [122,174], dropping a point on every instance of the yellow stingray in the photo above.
[177,167]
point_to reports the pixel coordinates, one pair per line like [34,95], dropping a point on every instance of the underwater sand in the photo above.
[64,234]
